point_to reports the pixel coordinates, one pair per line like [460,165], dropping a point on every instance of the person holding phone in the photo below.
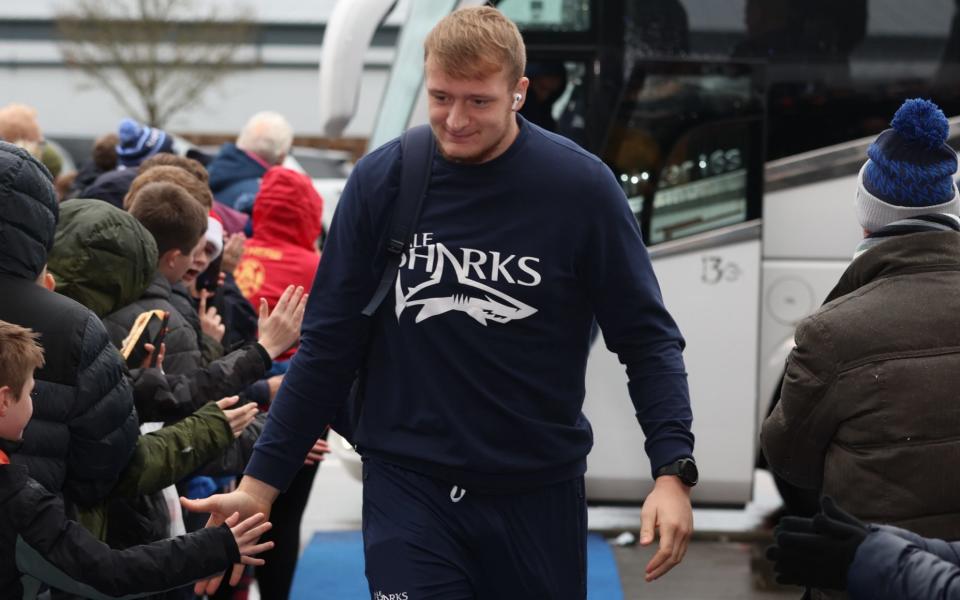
[208,296]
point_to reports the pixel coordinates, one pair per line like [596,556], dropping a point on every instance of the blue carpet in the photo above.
[332,565]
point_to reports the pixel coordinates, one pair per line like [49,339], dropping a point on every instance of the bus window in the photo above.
[836,71]
[555,98]
[686,145]
[547,15]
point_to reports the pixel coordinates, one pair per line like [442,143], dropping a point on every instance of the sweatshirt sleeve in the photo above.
[166,456]
[332,341]
[67,557]
[635,323]
[888,566]
[164,397]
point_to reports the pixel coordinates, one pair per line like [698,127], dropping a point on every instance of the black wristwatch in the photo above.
[685,469]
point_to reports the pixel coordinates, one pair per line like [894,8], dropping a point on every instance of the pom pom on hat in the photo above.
[129,132]
[911,168]
[138,142]
[921,121]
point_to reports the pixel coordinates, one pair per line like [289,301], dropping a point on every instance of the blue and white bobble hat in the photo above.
[139,142]
[910,170]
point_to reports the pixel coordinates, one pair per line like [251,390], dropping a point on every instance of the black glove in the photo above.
[817,552]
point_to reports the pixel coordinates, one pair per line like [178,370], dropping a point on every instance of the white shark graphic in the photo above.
[481,302]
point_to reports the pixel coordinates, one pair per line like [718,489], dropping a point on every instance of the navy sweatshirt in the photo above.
[474,372]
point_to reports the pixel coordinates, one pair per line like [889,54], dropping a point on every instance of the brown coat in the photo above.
[870,405]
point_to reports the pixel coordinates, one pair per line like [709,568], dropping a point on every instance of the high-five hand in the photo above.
[251,497]
[280,329]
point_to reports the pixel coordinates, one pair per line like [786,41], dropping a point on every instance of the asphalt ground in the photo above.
[711,570]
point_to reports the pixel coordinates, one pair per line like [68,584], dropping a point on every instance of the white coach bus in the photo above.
[736,129]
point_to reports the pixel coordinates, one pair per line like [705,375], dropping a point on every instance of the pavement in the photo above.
[724,561]
[710,571]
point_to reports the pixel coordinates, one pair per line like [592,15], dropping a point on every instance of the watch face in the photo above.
[688,472]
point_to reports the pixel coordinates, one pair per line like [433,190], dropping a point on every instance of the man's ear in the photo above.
[6,399]
[521,90]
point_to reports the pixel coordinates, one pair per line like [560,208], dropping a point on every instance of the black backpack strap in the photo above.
[416,151]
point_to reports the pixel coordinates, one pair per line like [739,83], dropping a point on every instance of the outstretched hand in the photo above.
[280,329]
[317,453]
[221,506]
[668,510]
[232,252]
[238,418]
[246,533]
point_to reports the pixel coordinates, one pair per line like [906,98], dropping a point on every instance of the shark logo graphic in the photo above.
[480,301]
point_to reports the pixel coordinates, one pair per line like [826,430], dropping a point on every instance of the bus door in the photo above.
[686,143]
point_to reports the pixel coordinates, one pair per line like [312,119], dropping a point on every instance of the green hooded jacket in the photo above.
[96,241]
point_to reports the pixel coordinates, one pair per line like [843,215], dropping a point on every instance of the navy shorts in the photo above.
[425,539]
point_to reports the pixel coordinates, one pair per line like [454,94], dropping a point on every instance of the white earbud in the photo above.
[516,99]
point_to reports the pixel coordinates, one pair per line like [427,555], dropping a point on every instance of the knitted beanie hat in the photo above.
[139,142]
[910,170]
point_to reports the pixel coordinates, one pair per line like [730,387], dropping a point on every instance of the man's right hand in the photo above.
[251,497]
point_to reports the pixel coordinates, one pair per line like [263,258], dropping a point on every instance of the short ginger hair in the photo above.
[18,124]
[472,43]
[197,189]
[20,356]
[165,159]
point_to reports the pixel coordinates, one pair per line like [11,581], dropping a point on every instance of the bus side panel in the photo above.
[714,296]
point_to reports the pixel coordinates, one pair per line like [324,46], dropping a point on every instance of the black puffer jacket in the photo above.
[84,426]
[38,543]
[183,353]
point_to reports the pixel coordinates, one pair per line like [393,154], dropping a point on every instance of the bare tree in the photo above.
[155,57]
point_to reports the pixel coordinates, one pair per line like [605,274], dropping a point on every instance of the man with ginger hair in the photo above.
[473,438]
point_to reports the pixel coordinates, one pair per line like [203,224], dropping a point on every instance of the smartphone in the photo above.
[158,339]
[149,328]
[210,278]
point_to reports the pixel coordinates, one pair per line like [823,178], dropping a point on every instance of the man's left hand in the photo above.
[668,510]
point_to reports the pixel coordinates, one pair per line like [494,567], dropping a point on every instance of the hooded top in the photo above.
[28,213]
[111,186]
[288,210]
[283,250]
[84,428]
[103,257]
[234,175]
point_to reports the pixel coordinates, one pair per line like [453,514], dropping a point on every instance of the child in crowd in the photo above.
[39,545]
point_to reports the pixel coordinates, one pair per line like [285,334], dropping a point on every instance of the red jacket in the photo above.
[283,250]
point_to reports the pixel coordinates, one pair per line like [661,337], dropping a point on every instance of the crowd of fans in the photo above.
[166,293]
